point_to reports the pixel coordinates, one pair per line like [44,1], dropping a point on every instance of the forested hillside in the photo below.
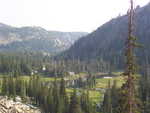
[107,42]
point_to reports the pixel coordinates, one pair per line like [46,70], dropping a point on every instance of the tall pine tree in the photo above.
[74,103]
[129,101]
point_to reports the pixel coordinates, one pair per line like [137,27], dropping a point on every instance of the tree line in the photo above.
[17,64]
[50,97]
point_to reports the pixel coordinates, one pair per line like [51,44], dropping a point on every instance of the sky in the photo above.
[63,15]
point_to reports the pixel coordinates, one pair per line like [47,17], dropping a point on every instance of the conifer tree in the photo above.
[4,86]
[50,100]
[86,104]
[107,103]
[14,88]
[129,100]
[74,103]
[63,96]
[23,89]
[144,92]
[56,98]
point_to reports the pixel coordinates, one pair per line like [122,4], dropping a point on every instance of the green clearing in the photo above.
[103,82]
[95,93]
[44,79]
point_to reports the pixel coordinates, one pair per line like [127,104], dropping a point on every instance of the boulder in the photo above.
[10,106]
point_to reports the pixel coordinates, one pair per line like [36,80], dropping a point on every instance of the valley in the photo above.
[104,71]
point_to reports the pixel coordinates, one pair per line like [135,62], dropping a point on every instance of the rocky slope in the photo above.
[10,106]
[36,39]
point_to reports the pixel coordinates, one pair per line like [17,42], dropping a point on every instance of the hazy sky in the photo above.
[62,15]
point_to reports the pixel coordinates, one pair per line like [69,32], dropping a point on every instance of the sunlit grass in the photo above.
[94,95]
[44,79]
[103,82]
[76,76]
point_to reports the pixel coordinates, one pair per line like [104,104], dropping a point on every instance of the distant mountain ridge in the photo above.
[107,42]
[36,39]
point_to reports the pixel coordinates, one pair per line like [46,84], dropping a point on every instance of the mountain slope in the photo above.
[108,41]
[35,39]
